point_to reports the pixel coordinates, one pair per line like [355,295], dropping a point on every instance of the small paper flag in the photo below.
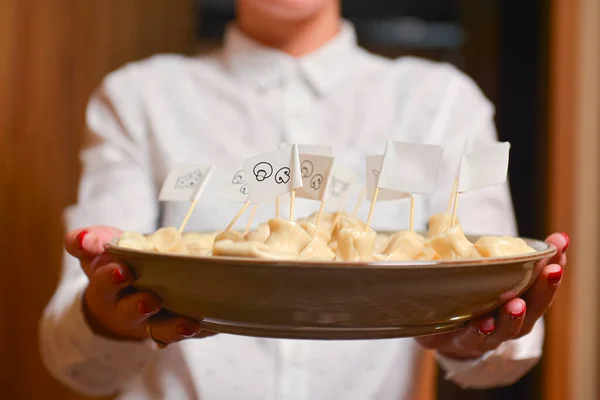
[232,183]
[316,171]
[410,168]
[185,182]
[373,172]
[341,183]
[273,174]
[486,165]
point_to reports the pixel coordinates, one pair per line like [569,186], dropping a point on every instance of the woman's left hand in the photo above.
[514,319]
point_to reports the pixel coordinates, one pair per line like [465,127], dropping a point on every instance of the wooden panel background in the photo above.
[52,54]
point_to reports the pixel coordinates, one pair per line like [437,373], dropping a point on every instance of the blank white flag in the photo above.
[273,174]
[410,167]
[185,182]
[373,172]
[486,165]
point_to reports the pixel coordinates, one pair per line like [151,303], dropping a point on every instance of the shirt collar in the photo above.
[262,66]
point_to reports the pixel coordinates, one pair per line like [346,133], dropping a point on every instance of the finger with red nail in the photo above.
[111,306]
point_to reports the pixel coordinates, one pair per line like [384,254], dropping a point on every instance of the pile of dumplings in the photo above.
[338,237]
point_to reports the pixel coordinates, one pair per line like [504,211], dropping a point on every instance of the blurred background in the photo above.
[538,61]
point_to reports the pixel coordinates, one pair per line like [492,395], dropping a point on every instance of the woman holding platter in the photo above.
[290,71]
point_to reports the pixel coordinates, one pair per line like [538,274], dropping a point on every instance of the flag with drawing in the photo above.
[273,174]
[485,165]
[315,171]
[341,183]
[232,182]
[185,182]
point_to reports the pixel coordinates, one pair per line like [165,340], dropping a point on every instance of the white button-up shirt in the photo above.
[230,105]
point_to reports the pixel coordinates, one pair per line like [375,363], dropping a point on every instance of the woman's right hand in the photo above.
[112,307]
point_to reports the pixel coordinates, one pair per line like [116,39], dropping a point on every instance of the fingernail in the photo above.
[486,330]
[186,331]
[555,277]
[79,239]
[144,308]
[117,277]
[567,240]
[519,314]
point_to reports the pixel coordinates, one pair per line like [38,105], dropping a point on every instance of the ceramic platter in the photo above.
[331,300]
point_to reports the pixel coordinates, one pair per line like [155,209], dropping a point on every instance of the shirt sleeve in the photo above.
[501,367]
[116,189]
[466,113]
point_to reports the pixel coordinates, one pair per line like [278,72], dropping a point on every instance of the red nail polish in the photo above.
[555,277]
[567,239]
[79,239]
[144,308]
[185,331]
[117,277]
[518,314]
[487,330]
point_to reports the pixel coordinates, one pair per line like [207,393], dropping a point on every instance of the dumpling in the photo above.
[345,222]
[135,241]
[229,235]
[404,246]
[199,244]
[453,244]
[440,223]
[287,236]
[492,246]
[168,240]
[327,220]
[317,248]
[257,236]
[428,253]
[380,242]
[355,244]
[249,249]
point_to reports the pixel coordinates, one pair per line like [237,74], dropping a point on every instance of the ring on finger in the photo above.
[159,343]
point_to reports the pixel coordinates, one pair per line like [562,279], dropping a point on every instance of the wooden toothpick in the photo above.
[455,208]
[412,213]
[375,195]
[320,214]
[292,201]
[452,195]
[277,207]
[196,197]
[188,215]
[238,216]
[250,219]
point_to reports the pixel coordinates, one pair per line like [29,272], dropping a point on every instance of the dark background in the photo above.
[502,45]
